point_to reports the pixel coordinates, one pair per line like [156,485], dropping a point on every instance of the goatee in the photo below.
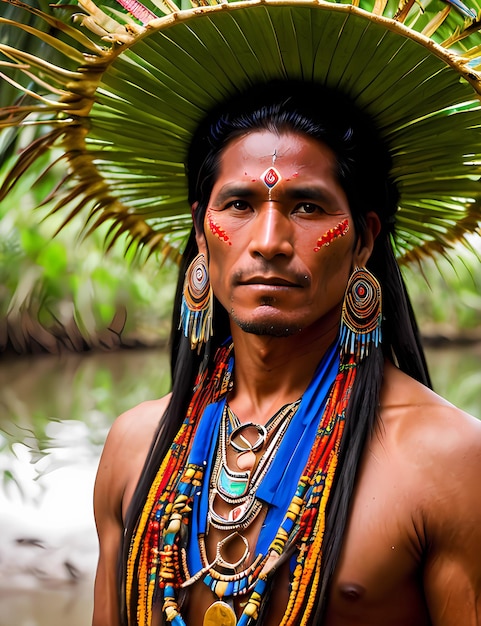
[265,329]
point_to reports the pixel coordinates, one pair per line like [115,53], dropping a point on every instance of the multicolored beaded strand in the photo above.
[305,517]
[146,565]
[165,519]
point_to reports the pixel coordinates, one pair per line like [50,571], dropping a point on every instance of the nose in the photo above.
[272,234]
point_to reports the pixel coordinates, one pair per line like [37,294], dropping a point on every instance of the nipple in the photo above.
[351,591]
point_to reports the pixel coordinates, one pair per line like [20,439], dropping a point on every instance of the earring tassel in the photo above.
[197,325]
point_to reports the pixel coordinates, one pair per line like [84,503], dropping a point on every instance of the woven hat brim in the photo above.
[128,145]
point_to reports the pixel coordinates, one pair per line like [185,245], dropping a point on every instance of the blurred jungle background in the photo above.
[83,335]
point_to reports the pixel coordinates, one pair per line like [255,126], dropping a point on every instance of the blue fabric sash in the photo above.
[279,485]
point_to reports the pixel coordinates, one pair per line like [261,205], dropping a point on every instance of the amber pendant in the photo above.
[220,614]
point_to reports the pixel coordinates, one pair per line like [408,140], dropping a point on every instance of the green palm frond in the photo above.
[122,99]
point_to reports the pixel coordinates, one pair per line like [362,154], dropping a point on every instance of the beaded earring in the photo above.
[361,315]
[197,304]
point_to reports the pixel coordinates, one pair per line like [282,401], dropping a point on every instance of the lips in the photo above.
[270,281]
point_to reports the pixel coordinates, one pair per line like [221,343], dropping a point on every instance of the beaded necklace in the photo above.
[240,488]
[153,561]
[158,550]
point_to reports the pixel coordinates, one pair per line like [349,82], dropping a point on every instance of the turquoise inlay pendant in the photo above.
[232,484]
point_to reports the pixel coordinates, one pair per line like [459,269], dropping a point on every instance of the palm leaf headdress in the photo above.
[127,90]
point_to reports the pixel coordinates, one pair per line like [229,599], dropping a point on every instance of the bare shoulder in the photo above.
[438,444]
[412,410]
[121,463]
[125,451]
[135,428]
[432,457]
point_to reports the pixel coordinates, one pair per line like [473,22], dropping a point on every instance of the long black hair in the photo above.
[363,171]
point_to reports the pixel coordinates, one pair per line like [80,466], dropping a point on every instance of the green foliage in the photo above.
[65,290]
[446,294]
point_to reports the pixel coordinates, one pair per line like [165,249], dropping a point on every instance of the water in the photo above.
[55,414]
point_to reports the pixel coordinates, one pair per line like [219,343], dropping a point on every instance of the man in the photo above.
[280,253]
[301,471]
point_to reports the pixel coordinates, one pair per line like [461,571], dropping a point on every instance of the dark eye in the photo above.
[238,205]
[308,208]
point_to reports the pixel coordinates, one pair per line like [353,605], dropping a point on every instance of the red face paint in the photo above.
[216,230]
[333,233]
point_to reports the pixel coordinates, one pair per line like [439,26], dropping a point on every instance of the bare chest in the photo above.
[379,576]
[378,581]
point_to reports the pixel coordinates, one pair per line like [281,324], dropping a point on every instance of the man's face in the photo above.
[279,234]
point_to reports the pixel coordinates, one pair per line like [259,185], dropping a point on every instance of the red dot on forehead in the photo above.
[270,177]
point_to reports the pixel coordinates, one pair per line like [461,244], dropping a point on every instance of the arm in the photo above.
[120,466]
[453,525]
[108,518]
